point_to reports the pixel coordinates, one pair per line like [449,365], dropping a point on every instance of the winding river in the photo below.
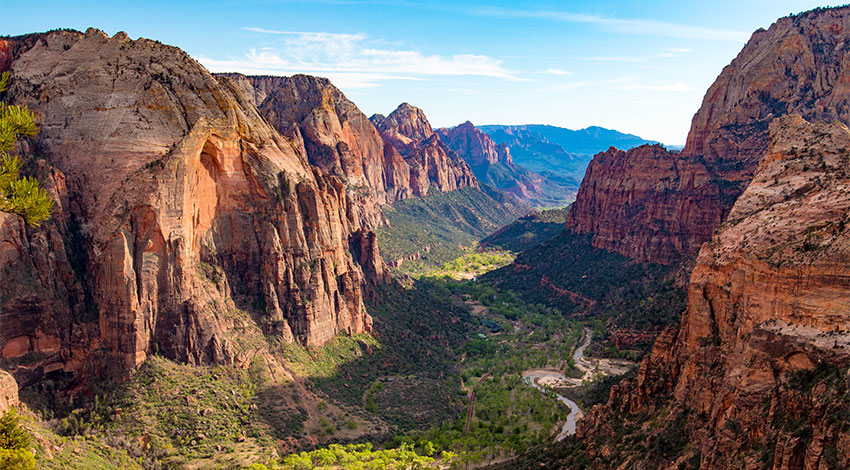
[533,376]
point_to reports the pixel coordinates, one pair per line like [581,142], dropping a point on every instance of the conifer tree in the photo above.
[20,195]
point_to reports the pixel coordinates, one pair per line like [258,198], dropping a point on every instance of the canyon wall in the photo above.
[667,204]
[761,357]
[433,166]
[183,218]
[493,165]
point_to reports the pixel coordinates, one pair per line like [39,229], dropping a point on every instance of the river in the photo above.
[532,377]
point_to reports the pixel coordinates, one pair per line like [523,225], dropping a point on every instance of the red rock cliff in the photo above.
[670,203]
[761,356]
[476,147]
[493,165]
[338,137]
[433,165]
[183,217]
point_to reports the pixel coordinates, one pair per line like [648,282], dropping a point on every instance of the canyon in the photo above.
[233,224]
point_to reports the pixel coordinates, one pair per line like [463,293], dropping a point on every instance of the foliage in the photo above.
[476,263]
[567,273]
[362,457]
[15,453]
[509,416]
[19,195]
[448,224]
[528,231]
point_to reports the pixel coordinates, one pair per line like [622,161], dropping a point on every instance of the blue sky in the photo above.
[639,67]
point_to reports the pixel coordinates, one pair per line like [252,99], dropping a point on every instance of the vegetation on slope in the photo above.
[567,273]
[427,232]
[528,231]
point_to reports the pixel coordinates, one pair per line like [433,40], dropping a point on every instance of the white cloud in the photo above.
[350,61]
[554,71]
[626,26]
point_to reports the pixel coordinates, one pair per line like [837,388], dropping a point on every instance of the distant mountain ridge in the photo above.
[493,164]
[551,150]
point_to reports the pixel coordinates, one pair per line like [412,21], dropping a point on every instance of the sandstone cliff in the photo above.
[8,392]
[432,164]
[674,201]
[183,217]
[761,359]
[338,138]
[493,165]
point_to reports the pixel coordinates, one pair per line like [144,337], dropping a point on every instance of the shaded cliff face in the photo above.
[433,166]
[183,217]
[493,165]
[799,65]
[649,204]
[761,358]
[337,136]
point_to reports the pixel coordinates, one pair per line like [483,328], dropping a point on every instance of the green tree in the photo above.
[15,451]
[20,195]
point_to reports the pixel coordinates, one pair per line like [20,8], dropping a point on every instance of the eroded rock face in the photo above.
[338,138]
[799,65]
[763,348]
[476,147]
[8,392]
[492,165]
[648,203]
[180,212]
[433,165]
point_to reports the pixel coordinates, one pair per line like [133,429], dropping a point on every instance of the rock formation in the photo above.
[338,138]
[432,164]
[8,392]
[183,218]
[476,147]
[760,360]
[493,165]
[675,201]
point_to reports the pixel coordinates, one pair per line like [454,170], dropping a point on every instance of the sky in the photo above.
[636,66]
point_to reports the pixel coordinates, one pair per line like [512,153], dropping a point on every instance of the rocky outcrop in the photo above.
[8,392]
[183,217]
[675,201]
[338,138]
[404,127]
[761,358]
[433,166]
[493,165]
[648,203]
[474,146]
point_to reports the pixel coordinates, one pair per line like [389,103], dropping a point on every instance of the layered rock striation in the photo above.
[433,165]
[183,217]
[761,358]
[674,201]
[337,136]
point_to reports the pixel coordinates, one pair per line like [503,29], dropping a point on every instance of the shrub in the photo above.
[15,453]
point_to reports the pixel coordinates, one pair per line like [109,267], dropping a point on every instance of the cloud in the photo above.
[352,61]
[625,26]
[553,71]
